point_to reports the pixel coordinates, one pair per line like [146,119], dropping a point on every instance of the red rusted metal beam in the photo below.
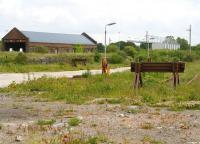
[173,67]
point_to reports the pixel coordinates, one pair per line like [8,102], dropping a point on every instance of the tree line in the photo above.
[122,45]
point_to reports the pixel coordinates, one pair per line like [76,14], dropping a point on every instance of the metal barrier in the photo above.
[174,67]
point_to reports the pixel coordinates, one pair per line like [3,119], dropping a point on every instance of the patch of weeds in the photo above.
[182,107]
[92,140]
[176,108]
[94,125]
[180,98]
[46,122]
[81,140]
[101,102]
[97,140]
[149,140]
[110,101]
[114,101]
[62,112]
[133,111]
[156,112]
[28,107]
[147,126]
[193,107]
[74,121]
[86,74]
[145,110]
[134,102]
[148,99]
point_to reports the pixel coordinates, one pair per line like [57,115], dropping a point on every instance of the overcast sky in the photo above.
[133,17]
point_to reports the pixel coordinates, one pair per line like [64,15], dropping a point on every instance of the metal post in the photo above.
[119,40]
[190,38]
[105,41]
[148,47]
[147,42]
[104,60]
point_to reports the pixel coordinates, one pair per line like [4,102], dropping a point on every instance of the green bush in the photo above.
[46,122]
[74,122]
[86,74]
[112,48]
[100,48]
[116,59]
[188,58]
[41,49]
[78,48]
[97,57]
[130,51]
[122,53]
[21,58]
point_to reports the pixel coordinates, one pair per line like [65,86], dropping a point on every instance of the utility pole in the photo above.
[147,42]
[190,38]
[104,60]
[105,42]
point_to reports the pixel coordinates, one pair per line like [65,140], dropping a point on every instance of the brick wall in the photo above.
[59,48]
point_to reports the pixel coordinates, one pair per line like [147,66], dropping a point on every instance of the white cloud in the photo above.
[133,17]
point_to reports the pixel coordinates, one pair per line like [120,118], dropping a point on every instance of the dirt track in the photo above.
[7,78]
[120,124]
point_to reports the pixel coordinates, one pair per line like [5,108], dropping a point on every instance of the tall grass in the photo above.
[119,85]
[60,62]
[37,62]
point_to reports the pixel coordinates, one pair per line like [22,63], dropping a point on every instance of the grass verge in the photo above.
[117,86]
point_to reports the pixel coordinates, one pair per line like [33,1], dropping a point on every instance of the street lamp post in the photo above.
[110,24]
[190,38]
[148,47]
[104,61]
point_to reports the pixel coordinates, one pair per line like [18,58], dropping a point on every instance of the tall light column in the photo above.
[190,38]
[110,24]
[147,42]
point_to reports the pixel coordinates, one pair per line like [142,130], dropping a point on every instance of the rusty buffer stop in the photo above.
[173,67]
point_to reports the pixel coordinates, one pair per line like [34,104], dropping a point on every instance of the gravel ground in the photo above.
[120,124]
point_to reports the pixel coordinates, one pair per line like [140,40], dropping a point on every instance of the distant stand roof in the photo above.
[44,37]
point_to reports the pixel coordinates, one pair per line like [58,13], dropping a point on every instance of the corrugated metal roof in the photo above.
[56,38]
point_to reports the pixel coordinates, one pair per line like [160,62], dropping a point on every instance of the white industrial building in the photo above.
[163,45]
[156,42]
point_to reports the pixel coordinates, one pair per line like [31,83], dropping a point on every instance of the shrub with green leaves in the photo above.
[78,48]
[130,51]
[116,59]
[41,49]
[45,122]
[86,74]
[188,58]
[97,57]
[21,58]
[74,121]
[112,48]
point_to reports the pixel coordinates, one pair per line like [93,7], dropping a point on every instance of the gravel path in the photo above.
[119,123]
[7,78]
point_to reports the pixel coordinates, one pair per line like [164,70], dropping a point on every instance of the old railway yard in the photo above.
[103,109]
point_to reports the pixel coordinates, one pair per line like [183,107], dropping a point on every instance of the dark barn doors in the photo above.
[16,46]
